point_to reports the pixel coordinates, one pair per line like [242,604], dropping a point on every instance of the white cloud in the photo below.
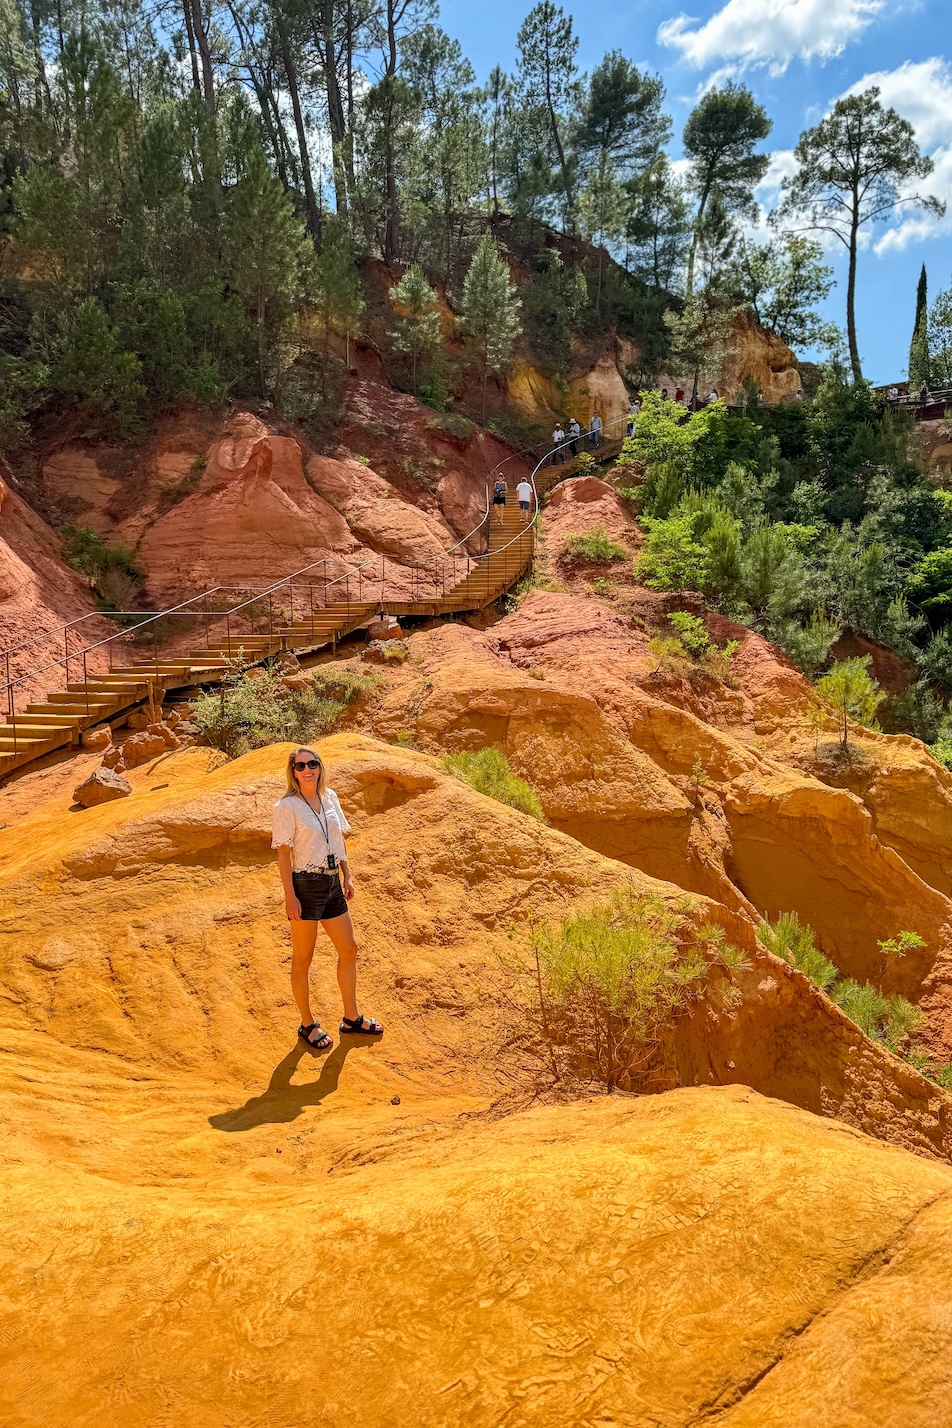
[922,93]
[750,33]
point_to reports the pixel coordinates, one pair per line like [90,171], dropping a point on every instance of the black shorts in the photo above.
[499,500]
[320,895]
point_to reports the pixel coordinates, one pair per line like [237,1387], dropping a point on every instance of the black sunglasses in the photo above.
[308,764]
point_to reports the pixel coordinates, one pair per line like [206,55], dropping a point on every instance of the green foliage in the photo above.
[417,330]
[919,364]
[694,446]
[488,772]
[554,300]
[851,692]
[267,255]
[783,282]
[889,1019]
[691,631]
[595,547]
[111,567]
[97,375]
[252,708]
[612,976]
[854,167]
[490,310]
[792,940]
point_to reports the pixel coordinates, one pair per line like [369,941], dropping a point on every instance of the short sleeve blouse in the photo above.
[297,826]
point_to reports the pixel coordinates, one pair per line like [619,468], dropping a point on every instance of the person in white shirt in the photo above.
[524,496]
[308,832]
[558,444]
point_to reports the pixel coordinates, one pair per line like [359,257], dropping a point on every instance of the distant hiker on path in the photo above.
[499,499]
[558,444]
[524,496]
[595,431]
[575,431]
[308,832]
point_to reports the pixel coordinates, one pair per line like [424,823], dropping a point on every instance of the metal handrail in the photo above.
[436,564]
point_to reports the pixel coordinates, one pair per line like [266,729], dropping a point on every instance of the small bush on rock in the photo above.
[611,977]
[595,546]
[252,708]
[488,772]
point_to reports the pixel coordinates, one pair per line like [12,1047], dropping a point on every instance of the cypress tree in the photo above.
[919,346]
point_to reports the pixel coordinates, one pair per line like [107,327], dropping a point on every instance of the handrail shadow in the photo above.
[282,1102]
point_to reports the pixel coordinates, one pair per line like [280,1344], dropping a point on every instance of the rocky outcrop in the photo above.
[102,786]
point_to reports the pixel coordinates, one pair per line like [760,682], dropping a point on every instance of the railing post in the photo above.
[291,596]
[85,684]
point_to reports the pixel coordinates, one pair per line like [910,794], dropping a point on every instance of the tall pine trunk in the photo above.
[290,70]
[851,294]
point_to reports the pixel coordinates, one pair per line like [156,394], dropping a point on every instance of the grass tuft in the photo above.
[488,772]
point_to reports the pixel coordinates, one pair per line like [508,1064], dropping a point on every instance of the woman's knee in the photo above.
[347,951]
[301,958]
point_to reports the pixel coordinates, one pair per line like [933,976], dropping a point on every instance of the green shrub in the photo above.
[595,546]
[252,708]
[610,977]
[691,632]
[585,463]
[488,772]
[889,1019]
[111,567]
[885,1019]
[851,692]
[342,684]
[790,939]
[175,491]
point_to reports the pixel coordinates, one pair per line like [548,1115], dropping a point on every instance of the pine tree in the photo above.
[266,252]
[919,346]
[94,370]
[490,310]
[337,285]
[603,209]
[417,331]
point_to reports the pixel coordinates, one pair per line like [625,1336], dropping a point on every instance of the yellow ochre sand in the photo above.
[708,1255]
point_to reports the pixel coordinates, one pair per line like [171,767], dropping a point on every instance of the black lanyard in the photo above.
[321,819]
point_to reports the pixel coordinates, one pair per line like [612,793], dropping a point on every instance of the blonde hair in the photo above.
[292,780]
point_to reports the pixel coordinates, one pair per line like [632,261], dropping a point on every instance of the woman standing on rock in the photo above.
[309,828]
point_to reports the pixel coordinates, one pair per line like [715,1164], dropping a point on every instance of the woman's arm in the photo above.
[346,881]
[291,904]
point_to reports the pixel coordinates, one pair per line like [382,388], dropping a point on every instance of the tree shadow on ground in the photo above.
[282,1102]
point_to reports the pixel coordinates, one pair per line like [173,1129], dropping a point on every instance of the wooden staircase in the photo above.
[102,698]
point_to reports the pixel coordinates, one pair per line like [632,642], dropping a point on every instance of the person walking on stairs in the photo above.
[308,831]
[595,431]
[499,499]
[524,496]
[575,432]
[558,444]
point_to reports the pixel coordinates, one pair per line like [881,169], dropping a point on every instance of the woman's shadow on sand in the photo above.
[282,1102]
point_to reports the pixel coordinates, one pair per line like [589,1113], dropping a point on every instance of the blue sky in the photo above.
[797,56]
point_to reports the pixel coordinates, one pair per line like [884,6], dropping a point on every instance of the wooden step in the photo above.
[78,698]
[33,720]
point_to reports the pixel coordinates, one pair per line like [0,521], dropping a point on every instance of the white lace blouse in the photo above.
[310,838]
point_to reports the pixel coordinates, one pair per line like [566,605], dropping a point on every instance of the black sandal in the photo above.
[323,1043]
[357,1028]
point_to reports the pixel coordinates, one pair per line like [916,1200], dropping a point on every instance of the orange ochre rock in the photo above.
[203,1219]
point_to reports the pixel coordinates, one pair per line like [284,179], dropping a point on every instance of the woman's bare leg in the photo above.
[341,932]
[303,938]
